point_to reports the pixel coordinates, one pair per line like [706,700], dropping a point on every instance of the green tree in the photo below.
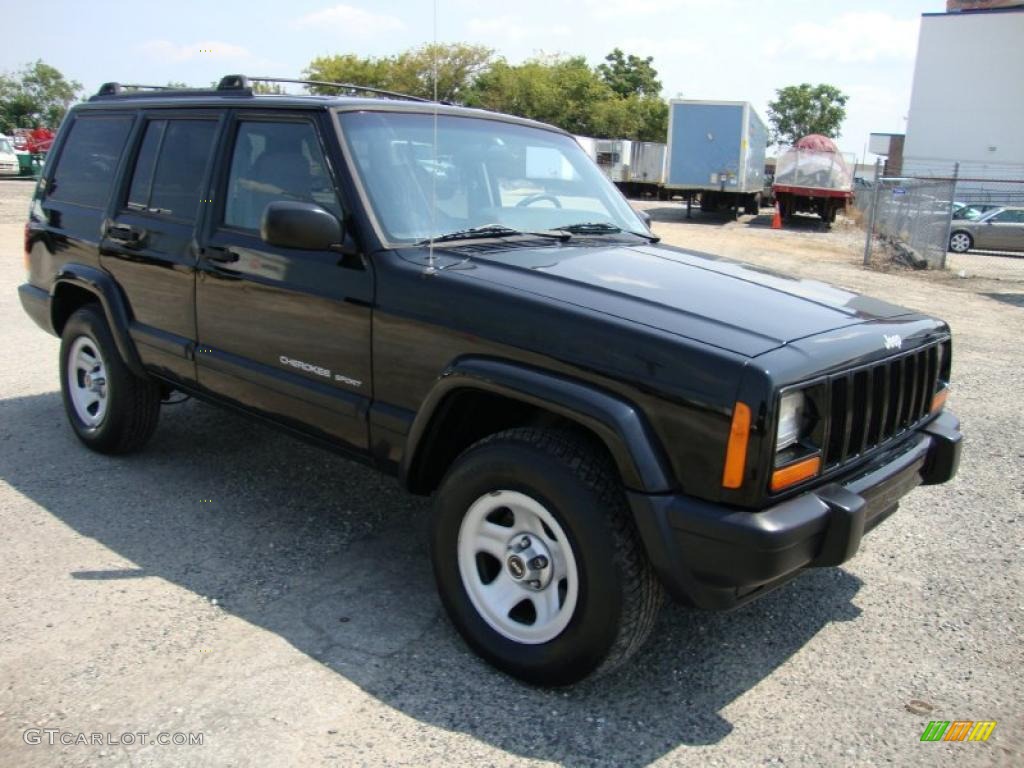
[653,118]
[617,99]
[563,91]
[458,66]
[629,75]
[36,95]
[799,110]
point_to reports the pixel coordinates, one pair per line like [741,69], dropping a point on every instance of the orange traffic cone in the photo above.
[777,218]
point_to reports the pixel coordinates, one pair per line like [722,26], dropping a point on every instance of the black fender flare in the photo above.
[102,285]
[619,424]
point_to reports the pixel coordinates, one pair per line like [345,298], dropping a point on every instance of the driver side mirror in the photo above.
[306,226]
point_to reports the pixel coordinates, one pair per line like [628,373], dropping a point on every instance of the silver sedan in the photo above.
[998,230]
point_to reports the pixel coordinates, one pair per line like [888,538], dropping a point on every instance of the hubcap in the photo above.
[960,242]
[517,566]
[87,381]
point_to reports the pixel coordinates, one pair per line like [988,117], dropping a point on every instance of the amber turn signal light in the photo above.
[795,473]
[736,453]
[940,399]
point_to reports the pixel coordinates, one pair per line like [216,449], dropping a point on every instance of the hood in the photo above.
[734,306]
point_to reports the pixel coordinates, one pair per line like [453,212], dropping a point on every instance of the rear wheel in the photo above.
[537,560]
[960,242]
[111,409]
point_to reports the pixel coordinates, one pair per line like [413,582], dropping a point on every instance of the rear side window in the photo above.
[170,167]
[88,161]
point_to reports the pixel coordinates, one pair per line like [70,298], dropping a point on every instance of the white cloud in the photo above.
[508,29]
[350,20]
[609,9]
[665,49]
[164,50]
[855,37]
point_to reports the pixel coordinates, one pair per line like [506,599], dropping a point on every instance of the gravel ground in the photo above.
[234,582]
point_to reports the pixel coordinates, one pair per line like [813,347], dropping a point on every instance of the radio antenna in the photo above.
[430,270]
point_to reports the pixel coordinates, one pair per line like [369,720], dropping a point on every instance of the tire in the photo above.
[753,206]
[594,605]
[960,242]
[110,408]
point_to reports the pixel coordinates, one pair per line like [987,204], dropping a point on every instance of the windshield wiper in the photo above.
[492,230]
[603,228]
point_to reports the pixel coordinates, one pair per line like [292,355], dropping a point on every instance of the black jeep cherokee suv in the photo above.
[462,299]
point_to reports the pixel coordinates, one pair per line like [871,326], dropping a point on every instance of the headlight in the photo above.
[792,419]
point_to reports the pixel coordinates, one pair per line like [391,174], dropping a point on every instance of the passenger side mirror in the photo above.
[306,226]
[645,217]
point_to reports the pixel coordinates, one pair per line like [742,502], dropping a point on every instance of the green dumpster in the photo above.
[25,165]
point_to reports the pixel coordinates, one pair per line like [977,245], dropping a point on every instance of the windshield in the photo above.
[5,147]
[485,173]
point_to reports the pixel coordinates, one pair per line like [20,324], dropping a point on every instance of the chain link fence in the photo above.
[912,215]
[915,215]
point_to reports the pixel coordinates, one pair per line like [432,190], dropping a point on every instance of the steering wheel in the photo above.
[537,197]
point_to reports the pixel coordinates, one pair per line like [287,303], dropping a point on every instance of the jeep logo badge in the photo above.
[516,567]
[893,342]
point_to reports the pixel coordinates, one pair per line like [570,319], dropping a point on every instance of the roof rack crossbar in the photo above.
[113,89]
[328,84]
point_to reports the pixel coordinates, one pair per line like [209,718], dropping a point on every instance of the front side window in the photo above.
[87,164]
[275,161]
[171,166]
[480,173]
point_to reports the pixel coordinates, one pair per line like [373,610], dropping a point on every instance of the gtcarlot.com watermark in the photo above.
[55,736]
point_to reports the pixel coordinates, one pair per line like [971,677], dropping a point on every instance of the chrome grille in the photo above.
[874,404]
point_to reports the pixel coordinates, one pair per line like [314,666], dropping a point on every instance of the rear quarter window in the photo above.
[88,161]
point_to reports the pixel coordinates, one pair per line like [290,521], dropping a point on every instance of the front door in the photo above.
[1005,231]
[282,331]
[149,243]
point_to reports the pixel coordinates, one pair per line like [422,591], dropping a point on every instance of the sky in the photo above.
[735,50]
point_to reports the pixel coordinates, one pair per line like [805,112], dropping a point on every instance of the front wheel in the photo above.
[111,409]
[537,559]
[960,242]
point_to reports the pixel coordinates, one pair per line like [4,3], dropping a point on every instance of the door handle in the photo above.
[221,255]
[126,235]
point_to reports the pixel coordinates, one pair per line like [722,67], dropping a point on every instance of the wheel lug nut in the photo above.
[524,542]
[535,583]
[539,562]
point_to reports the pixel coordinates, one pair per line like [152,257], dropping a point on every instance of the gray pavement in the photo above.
[234,582]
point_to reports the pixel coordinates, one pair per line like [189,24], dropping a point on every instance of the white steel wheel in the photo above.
[960,242]
[87,381]
[517,567]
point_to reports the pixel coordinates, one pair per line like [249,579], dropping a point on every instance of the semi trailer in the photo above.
[716,151]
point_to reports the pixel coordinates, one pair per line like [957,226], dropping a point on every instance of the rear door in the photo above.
[282,331]
[149,243]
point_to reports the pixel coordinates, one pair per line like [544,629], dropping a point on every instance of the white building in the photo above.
[967,104]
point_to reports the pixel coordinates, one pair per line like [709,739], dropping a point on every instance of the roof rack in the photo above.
[237,85]
[116,89]
[243,81]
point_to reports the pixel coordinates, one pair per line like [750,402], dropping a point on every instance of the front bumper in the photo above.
[718,557]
